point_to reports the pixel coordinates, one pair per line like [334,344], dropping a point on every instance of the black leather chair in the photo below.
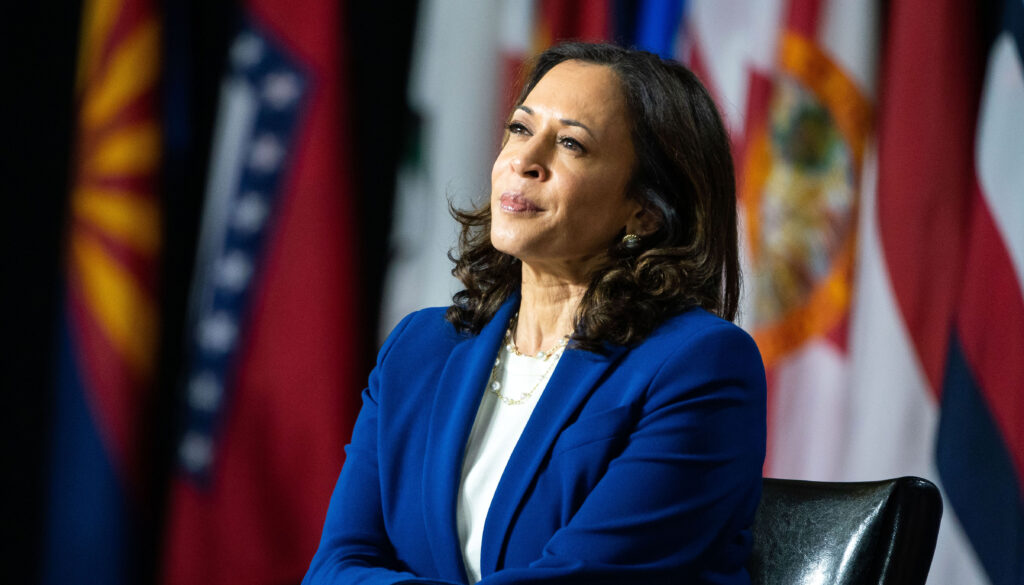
[818,533]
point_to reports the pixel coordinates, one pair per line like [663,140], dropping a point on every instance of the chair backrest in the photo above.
[880,532]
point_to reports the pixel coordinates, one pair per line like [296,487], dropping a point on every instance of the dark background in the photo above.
[40,43]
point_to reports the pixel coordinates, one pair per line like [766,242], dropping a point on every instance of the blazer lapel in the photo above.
[459,391]
[574,378]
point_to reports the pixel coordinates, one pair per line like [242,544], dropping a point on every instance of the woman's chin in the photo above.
[507,240]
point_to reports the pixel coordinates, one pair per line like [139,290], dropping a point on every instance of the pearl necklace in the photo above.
[510,342]
[495,385]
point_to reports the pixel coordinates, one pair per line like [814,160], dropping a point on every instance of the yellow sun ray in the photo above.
[97,20]
[131,150]
[133,221]
[132,70]
[124,310]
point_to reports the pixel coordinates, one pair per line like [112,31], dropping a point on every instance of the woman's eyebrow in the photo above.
[566,121]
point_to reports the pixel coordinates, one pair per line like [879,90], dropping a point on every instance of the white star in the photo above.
[205,392]
[281,89]
[195,451]
[246,51]
[250,212]
[217,333]
[266,153]
[234,270]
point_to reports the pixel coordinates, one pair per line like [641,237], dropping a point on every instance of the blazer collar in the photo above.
[460,389]
[576,375]
[456,402]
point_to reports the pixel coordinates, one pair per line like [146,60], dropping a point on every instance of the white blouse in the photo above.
[496,430]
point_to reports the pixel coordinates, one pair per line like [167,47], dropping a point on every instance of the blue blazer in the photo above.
[640,465]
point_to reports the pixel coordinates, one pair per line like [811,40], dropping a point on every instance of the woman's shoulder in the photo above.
[697,324]
[696,351]
[699,333]
[428,318]
[425,329]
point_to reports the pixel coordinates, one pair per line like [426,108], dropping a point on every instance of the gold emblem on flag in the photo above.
[799,193]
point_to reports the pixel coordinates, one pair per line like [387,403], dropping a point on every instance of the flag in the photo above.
[801,144]
[980,443]
[860,384]
[270,391]
[916,265]
[98,499]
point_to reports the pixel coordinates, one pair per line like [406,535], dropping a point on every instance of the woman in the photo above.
[584,412]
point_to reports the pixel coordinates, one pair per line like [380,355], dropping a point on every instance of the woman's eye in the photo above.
[516,128]
[571,144]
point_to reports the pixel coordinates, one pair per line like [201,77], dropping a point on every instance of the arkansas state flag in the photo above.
[269,391]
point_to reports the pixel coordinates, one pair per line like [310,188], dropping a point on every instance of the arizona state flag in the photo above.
[269,391]
[109,323]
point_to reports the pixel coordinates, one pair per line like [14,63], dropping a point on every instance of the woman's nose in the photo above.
[529,162]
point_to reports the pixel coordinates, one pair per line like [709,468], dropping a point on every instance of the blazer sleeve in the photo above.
[354,547]
[677,503]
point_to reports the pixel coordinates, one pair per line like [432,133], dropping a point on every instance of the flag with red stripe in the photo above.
[270,390]
[913,253]
[980,445]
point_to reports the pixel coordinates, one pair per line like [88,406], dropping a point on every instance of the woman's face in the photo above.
[558,186]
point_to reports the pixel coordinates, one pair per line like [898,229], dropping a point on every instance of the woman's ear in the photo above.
[645,221]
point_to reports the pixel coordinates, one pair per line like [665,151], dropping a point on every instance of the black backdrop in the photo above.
[39,51]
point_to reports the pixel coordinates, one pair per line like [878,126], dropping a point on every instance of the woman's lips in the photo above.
[517,203]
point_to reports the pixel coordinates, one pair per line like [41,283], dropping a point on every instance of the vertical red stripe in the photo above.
[596,22]
[582,20]
[929,100]
[802,17]
[990,320]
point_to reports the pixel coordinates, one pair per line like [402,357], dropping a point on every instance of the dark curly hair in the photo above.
[683,174]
